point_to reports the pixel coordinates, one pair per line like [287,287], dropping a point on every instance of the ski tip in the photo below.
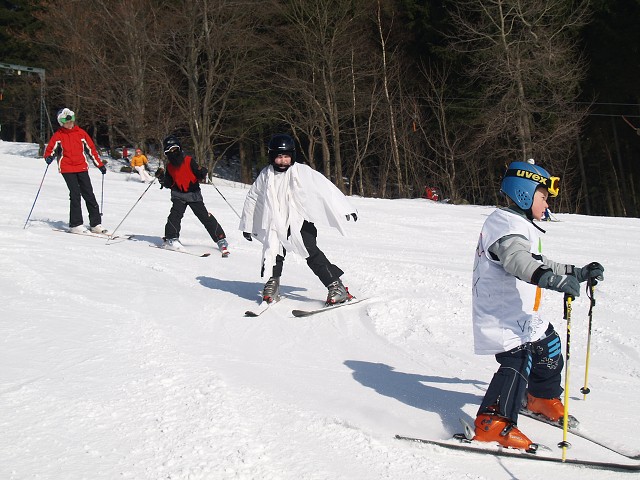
[205,254]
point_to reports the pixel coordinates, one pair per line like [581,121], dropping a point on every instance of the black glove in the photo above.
[247,235]
[50,159]
[594,270]
[355,217]
[103,169]
[159,172]
[560,283]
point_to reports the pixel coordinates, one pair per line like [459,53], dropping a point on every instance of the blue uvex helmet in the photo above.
[521,180]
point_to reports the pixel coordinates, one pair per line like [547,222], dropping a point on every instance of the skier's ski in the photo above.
[573,421]
[263,307]
[466,445]
[574,430]
[89,233]
[206,254]
[308,313]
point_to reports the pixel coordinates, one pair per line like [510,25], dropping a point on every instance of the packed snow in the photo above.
[124,361]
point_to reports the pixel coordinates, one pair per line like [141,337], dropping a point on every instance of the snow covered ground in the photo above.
[123,361]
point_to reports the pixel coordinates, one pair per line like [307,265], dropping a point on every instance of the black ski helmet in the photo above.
[170,142]
[281,144]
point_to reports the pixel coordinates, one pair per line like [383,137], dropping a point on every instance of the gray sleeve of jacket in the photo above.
[513,253]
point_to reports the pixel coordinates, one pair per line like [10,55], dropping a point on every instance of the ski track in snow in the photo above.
[121,361]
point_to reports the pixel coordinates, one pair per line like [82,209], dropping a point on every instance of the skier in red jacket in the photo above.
[73,148]
[183,177]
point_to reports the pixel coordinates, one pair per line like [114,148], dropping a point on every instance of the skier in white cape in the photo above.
[281,209]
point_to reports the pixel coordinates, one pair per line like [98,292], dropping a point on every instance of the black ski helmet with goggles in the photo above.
[281,144]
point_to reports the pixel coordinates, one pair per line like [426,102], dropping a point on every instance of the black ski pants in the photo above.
[326,271]
[180,201]
[538,363]
[79,185]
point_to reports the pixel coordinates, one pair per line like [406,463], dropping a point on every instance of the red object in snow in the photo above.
[431,193]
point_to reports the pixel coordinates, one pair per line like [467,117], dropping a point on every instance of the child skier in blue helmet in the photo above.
[508,274]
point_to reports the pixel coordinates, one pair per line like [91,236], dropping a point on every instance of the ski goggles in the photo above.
[552,184]
[66,115]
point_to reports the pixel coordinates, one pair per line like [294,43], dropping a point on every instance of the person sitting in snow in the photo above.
[139,163]
[73,148]
[508,273]
[281,209]
[183,176]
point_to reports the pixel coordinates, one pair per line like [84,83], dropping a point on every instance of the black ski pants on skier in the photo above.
[180,201]
[326,271]
[539,363]
[79,185]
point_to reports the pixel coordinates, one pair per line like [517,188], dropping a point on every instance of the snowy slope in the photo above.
[123,361]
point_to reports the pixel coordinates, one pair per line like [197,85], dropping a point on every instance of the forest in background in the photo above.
[384,97]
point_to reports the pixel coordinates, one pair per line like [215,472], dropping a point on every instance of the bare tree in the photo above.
[315,40]
[447,138]
[389,76]
[524,60]
[205,57]
[104,69]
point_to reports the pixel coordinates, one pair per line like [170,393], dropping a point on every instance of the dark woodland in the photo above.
[384,97]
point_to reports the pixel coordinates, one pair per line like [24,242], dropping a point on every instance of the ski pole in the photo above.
[113,234]
[564,444]
[102,196]
[234,210]
[36,199]
[591,283]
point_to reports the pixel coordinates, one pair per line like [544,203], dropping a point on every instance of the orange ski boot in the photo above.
[552,408]
[494,428]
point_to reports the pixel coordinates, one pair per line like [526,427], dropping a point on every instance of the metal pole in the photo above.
[113,234]
[565,421]
[591,282]
[36,199]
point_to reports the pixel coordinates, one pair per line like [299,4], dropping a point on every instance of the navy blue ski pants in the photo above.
[536,367]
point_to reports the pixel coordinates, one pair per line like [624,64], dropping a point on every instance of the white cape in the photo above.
[303,194]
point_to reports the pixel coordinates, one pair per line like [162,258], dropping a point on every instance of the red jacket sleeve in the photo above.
[93,152]
[54,142]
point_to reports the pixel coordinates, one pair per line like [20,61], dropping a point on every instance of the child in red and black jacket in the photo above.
[183,176]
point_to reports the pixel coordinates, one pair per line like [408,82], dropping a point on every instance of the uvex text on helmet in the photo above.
[521,180]
[282,144]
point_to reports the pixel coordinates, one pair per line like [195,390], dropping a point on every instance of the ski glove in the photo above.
[49,159]
[103,169]
[355,217]
[594,270]
[247,235]
[560,283]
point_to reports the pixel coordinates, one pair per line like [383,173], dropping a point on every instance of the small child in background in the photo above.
[139,163]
